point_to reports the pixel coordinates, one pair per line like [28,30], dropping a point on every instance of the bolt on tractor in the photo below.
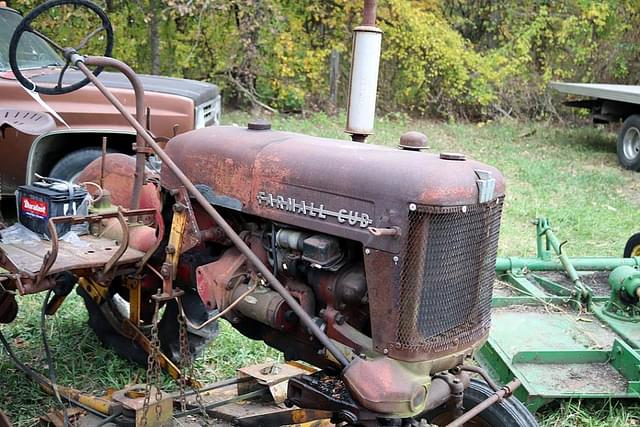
[374,266]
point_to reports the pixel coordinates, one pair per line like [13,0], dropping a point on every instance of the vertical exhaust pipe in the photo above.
[363,80]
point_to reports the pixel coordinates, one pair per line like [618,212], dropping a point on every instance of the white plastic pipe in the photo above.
[363,85]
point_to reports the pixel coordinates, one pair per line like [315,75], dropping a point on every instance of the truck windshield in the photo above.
[33,52]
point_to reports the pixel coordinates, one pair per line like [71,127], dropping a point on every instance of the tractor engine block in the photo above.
[323,273]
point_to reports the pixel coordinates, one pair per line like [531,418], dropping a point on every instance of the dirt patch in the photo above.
[587,378]
[598,281]
[504,289]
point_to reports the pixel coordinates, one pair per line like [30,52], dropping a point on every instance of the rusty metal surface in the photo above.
[446,280]
[180,176]
[140,147]
[413,140]
[56,418]
[116,248]
[160,412]
[27,258]
[272,375]
[271,173]
[369,13]
[447,267]
[119,180]
[28,122]
[212,279]
[325,392]
[387,386]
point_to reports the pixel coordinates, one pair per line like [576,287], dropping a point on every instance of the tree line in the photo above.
[447,58]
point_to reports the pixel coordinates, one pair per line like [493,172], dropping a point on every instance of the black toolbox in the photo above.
[41,201]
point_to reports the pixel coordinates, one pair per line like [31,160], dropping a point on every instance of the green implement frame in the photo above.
[567,327]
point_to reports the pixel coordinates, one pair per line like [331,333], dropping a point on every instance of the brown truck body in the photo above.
[175,105]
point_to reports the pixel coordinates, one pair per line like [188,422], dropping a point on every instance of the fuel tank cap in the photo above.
[259,124]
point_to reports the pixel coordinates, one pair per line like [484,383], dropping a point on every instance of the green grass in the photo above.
[569,175]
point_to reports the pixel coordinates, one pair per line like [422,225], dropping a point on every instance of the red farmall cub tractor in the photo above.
[374,265]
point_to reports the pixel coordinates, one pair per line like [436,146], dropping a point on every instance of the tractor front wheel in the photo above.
[507,413]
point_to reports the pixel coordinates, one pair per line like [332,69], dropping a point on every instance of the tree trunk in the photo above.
[154,36]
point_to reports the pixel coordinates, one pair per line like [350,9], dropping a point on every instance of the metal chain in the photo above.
[153,370]
[185,354]
[186,363]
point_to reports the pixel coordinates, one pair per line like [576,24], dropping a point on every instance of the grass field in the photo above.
[568,175]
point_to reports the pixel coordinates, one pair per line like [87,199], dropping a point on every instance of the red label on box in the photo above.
[34,207]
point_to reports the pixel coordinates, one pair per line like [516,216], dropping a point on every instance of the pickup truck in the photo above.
[174,106]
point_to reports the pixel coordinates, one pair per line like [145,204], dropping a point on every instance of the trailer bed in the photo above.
[622,93]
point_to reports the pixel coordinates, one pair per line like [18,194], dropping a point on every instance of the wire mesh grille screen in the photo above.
[447,276]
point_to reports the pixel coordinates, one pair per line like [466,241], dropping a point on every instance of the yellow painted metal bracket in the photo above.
[97,291]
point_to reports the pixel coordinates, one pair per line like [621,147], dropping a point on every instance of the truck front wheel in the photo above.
[629,143]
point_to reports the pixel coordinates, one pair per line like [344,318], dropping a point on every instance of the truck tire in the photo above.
[110,337]
[70,166]
[629,143]
[508,413]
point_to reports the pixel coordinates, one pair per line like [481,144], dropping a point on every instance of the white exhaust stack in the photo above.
[363,83]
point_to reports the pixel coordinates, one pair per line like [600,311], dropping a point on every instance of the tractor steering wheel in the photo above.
[25,26]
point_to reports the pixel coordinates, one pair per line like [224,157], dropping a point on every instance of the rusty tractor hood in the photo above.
[332,186]
[197,91]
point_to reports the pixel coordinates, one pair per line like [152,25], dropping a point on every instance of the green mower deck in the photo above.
[558,326]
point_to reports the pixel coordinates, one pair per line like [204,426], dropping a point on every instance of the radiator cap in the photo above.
[453,156]
[259,124]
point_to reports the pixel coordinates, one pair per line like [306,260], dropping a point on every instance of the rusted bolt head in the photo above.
[413,141]
[259,124]
[453,156]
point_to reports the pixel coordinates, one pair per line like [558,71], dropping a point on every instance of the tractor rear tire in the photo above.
[508,413]
[629,143]
[168,332]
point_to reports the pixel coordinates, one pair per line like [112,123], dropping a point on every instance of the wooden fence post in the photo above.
[334,74]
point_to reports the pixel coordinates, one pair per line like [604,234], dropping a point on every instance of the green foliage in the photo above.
[450,58]
[429,65]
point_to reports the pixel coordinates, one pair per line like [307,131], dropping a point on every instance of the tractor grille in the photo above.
[447,277]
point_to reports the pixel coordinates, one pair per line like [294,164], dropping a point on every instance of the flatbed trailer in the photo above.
[611,103]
